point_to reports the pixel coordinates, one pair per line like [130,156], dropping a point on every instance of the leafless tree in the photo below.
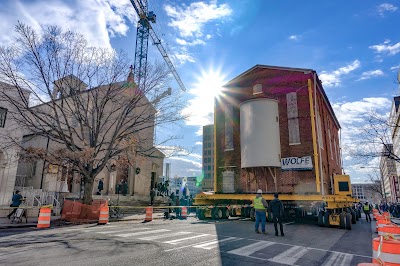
[80,99]
[375,186]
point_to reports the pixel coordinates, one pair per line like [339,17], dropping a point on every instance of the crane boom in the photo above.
[145,29]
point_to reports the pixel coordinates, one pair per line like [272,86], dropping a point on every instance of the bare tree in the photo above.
[375,187]
[81,100]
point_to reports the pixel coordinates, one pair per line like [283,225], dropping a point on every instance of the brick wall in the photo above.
[276,84]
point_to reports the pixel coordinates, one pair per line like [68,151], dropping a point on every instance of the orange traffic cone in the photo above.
[103,217]
[44,218]
[149,214]
[184,212]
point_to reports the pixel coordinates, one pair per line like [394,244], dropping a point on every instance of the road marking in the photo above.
[117,231]
[176,241]
[215,243]
[250,249]
[289,223]
[143,233]
[163,236]
[338,258]
[290,256]
[91,228]
[188,246]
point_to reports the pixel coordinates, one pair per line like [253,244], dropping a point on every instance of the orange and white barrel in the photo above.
[184,212]
[390,229]
[149,214]
[386,251]
[44,218]
[381,222]
[368,264]
[103,216]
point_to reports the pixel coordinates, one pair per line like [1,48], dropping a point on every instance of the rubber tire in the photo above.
[321,218]
[247,212]
[342,224]
[326,219]
[348,221]
[242,212]
[217,213]
[232,212]
[253,214]
[353,217]
[356,213]
[226,213]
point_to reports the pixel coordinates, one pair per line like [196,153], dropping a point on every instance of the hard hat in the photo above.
[259,191]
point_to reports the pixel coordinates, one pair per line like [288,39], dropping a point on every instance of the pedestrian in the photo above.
[124,187]
[367,210]
[177,209]
[276,208]
[100,187]
[260,206]
[152,195]
[16,201]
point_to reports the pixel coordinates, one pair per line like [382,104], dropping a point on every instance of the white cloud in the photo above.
[294,37]
[198,143]
[332,79]
[385,7]
[190,20]
[182,166]
[98,21]
[386,48]
[395,67]
[370,74]
[193,43]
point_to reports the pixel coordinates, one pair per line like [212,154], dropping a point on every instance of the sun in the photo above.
[210,83]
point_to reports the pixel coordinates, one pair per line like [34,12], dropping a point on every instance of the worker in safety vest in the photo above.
[260,206]
[367,210]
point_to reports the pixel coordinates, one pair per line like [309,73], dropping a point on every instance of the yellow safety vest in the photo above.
[258,205]
[366,207]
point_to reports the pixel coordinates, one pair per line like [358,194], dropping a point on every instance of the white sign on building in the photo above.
[297,163]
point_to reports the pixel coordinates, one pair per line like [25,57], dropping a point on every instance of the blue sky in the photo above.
[353,45]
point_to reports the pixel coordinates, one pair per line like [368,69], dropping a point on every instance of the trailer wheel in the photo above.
[232,212]
[326,219]
[342,221]
[348,221]
[321,218]
[200,214]
[353,217]
[218,213]
[253,214]
[356,214]
[225,213]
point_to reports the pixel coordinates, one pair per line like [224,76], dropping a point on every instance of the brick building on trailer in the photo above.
[275,130]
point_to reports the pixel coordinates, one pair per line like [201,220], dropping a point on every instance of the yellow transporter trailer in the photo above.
[329,210]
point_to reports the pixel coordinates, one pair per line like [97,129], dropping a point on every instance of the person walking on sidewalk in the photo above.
[277,210]
[260,206]
[152,196]
[16,201]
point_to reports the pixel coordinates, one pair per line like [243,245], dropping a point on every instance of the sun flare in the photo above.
[210,83]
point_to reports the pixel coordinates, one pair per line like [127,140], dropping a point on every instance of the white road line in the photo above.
[214,244]
[250,249]
[288,223]
[167,235]
[124,230]
[176,241]
[188,246]
[347,260]
[91,228]
[290,256]
[332,259]
[143,233]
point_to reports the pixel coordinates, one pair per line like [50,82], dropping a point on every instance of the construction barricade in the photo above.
[76,212]
[103,215]
[381,222]
[386,251]
[390,229]
[184,212]
[149,214]
[44,218]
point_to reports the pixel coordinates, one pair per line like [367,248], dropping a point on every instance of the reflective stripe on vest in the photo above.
[366,207]
[258,205]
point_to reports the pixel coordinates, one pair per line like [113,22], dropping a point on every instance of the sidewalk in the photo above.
[5,223]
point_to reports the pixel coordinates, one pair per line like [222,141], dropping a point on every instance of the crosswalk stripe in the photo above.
[90,228]
[290,256]
[250,249]
[117,231]
[213,244]
[163,236]
[176,241]
[142,233]
[338,258]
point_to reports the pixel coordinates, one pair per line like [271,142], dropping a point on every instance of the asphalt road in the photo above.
[186,242]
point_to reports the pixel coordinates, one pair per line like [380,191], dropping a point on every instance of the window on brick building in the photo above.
[293,118]
[3,116]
